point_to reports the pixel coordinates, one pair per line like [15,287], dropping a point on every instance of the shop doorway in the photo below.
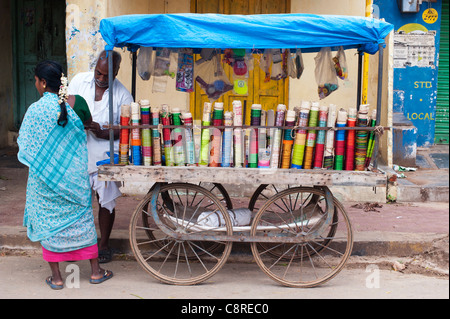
[260,91]
[38,34]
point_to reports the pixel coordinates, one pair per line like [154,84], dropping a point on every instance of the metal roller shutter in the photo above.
[442,105]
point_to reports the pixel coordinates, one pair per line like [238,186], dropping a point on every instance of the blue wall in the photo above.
[415,88]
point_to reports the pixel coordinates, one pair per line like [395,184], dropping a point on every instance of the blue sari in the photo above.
[58,210]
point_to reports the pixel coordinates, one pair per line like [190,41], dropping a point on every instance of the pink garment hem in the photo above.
[90,252]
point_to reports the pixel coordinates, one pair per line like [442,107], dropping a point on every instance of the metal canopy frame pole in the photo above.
[133,76]
[111,109]
[358,96]
[379,103]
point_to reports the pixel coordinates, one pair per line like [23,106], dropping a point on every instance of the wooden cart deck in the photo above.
[241,176]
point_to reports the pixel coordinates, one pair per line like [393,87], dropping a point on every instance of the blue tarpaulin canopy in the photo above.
[308,32]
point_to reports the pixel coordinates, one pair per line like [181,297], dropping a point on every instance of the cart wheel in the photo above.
[265,192]
[322,234]
[175,261]
[217,189]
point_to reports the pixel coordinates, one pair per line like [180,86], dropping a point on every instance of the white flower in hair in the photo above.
[63,90]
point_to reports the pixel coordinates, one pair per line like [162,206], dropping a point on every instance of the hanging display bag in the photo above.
[277,72]
[340,64]
[295,64]
[185,71]
[265,62]
[325,72]
[144,63]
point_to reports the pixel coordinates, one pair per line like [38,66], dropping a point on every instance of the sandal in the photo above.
[104,256]
[107,275]
[49,282]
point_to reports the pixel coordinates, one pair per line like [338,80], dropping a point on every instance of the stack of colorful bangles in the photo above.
[311,136]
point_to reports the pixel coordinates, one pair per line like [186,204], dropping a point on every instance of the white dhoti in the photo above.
[107,192]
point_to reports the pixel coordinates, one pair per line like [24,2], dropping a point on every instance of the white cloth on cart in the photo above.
[239,217]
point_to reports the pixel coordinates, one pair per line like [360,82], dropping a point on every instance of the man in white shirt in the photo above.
[94,88]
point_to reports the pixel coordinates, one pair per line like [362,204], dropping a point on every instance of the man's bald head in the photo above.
[101,72]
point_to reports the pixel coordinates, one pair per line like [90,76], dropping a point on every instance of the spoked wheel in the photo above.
[263,193]
[319,234]
[216,189]
[183,209]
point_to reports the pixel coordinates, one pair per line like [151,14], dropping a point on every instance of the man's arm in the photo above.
[96,129]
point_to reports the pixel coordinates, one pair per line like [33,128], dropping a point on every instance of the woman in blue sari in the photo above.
[58,210]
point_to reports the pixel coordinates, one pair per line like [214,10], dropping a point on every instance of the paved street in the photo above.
[23,277]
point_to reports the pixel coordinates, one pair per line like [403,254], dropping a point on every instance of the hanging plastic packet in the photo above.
[277,66]
[144,63]
[295,64]
[265,62]
[161,69]
[325,73]
[249,61]
[240,86]
[291,67]
[162,62]
[173,64]
[185,71]
[340,64]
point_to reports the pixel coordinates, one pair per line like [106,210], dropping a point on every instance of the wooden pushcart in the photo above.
[300,234]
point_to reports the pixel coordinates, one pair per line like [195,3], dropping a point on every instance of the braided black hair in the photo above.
[51,72]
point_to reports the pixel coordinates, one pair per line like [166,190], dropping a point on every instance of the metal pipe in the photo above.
[133,75]
[111,109]
[358,97]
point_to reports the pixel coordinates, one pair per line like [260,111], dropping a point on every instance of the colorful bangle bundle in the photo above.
[310,137]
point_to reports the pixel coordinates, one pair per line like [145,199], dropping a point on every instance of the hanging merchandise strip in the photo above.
[168,150]
[350,148]
[300,136]
[205,138]
[178,147]
[255,120]
[320,143]
[216,135]
[361,138]
[156,138]
[227,145]
[277,134]
[371,143]
[238,135]
[311,136]
[189,138]
[136,142]
[266,154]
[340,140]
[328,160]
[263,154]
[124,143]
[146,133]
[288,141]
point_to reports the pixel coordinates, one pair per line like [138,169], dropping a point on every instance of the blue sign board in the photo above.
[416,56]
